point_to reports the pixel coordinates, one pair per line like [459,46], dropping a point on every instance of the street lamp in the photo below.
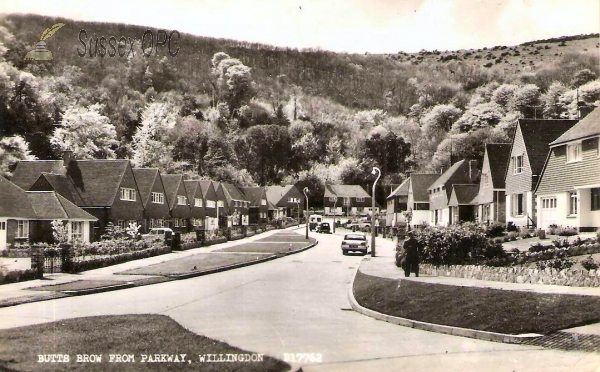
[334,203]
[305,190]
[378,172]
[298,212]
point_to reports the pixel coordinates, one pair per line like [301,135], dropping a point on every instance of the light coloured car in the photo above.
[355,242]
[157,232]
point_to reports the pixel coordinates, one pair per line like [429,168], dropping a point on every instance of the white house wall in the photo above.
[520,221]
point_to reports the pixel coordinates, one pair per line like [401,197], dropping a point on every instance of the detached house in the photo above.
[238,205]
[177,197]
[528,153]
[461,173]
[492,191]
[154,199]
[209,195]
[568,192]
[287,199]
[259,208]
[106,189]
[397,203]
[350,199]
[418,197]
[196,201]
[26,217]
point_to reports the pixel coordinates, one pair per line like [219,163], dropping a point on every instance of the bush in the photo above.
[557,264]
[566,231]
[589,263]
[17,276]
[511,227]
[539,247]
[495,230]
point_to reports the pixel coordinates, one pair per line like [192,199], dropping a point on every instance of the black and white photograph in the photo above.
[300,185]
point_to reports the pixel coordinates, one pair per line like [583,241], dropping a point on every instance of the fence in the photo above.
[52,260]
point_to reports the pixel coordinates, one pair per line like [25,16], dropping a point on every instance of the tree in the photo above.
[526,100]
[12,150]
[234,84]
[552,107]
[269,147]
[86,132]
[480,116]
[388,150]
[582,77]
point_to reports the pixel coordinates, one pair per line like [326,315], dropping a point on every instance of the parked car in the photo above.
[157,232]
[314,220]
[324,227]
[355,242]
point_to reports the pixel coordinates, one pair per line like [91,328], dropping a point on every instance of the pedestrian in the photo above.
[411,260]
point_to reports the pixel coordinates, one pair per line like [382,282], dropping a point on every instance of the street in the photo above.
[298,304]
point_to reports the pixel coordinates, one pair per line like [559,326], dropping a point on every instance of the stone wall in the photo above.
[573,278]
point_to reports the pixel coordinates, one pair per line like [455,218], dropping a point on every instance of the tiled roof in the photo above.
[191,186]
[49,205]
[345,191]
[445,177]
[145,178]
[171,184]
[62,185]
[498,155]
[14,201]
[463,195]
[274,194]
[401,190]
[420,183]
[233,192]
[254,195]
[97,181]
[537,135]
[588,126]
[205,187]
[28,171]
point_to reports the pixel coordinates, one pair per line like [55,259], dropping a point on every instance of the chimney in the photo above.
[67,157]
[473,170]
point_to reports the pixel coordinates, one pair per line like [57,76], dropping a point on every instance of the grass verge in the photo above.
[78,285]
[287,237]
[266,247]
[135,335]
[195,263]
[493,310]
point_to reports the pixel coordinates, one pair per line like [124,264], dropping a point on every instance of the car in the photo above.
[324,227]
[157,232]
[314,220]
[355,242]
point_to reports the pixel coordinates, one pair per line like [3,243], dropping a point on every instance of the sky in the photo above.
[355,26]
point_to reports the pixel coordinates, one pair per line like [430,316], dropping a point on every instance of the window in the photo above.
[518,205]
[181,200]
[127,194]
[346,201]
[549,203]
[360,200]
[485,178]
[573,202]
[158,198]
[182,222]
[220,203]
[22,229]
[293,200]
[518,164]
[197,202]
[332,199]
[263,202]
[595,199]
[574,152]
[210,204]
[176,222]
[2,225]
[76,231]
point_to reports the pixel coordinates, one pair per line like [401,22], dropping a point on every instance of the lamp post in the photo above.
[298,212]
[378,172]
[305,190]
[334,203]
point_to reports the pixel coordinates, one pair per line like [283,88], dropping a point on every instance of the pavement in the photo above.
[110,278]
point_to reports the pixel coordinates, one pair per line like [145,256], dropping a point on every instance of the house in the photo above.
[492,190]
[26,216]
[209,195]
[418,197]
[106,189]
[238,205]
[463,203]
[350,199]
[397,204]
[258,209]
[528,153]
[196,201]
[154,199]
[287,199]
[222,205]
[568,191]
[177,197]
[462,172]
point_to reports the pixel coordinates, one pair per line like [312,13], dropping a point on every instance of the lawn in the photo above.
[196,263]
[509,312]
[135,335]
[287,238]
[78,285]
[267,247]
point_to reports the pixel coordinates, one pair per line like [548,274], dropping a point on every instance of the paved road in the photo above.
[298,304]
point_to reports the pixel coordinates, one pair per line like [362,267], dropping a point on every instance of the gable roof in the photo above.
[498,158]
[28,171]
[171,183]
[274,194]
[49,205]
[420,183]
[589,126]
[61,184]
[401,190]
[445,177]
[232,192]
[205,186]
[14,201]
[254,195]
[145,179]
[463,195]
[97,181]
[537,135]
[191,186]
[345,191]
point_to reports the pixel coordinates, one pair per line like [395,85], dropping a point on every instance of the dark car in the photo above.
[324,227]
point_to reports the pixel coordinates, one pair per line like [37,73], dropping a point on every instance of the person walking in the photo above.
[411,260]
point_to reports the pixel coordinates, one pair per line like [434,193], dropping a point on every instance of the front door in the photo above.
[548,212]
[3,224]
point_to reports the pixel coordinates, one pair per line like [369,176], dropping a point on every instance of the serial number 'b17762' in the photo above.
[303,357]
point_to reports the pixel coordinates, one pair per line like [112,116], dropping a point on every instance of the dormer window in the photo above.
[574,152]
